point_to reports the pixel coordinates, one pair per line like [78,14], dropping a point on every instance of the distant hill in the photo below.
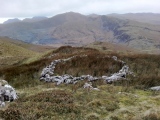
[78,30]
[112,48]
[150,18]
[34,19]
[11,21]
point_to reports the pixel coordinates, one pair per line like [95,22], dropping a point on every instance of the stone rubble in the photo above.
[7,93]
[156,88]
[118,76]
[89,86]
[48,74]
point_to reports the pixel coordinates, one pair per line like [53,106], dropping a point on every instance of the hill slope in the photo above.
[123,100]
[14,51]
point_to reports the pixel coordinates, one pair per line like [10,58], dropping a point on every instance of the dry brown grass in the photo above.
[93,64]
[146,67]
[42,105]
[121,100]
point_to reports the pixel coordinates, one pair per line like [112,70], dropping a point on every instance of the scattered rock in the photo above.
[156,88]
[118,76]
[7,93]
[3,82]
[88,85]
[48,74]
[115,58]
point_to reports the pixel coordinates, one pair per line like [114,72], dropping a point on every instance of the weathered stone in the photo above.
[48,74]
[114,57]
[118,76]
[3,82]
[7,93]
[87,85]
[156,88]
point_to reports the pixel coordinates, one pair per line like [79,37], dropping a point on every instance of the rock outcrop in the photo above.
[118,76]
[7,93]
[156,88]
[89,86]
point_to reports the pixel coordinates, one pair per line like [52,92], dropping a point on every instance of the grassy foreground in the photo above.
[48,101]
[124,100]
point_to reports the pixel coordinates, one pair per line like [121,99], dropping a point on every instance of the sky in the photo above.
[21,9]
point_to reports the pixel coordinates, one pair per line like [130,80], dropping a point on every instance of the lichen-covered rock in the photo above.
[7,93]
[89,86]
[3,82]
[156,88]
[118,76]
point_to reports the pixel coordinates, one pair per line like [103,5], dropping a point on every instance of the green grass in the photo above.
[48,101]
[14,52]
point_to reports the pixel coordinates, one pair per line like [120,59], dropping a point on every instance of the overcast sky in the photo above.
[29,8]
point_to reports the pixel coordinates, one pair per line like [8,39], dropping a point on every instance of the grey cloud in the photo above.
[30,8]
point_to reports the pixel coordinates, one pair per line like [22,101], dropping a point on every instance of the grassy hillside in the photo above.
[108,47]
[145,66]
[121,100]
[15,52]
[11,49]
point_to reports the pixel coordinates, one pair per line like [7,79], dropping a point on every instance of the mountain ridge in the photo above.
[33,19]
[77,29]
[151,18]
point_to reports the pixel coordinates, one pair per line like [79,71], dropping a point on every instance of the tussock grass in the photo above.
[27,74]
[59,102]
[147,69]
[93,64]
[121,100]
[45,104]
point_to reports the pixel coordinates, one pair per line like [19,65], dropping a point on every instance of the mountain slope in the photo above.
[11,21]
[150,18]
[34,19]
[76,29]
